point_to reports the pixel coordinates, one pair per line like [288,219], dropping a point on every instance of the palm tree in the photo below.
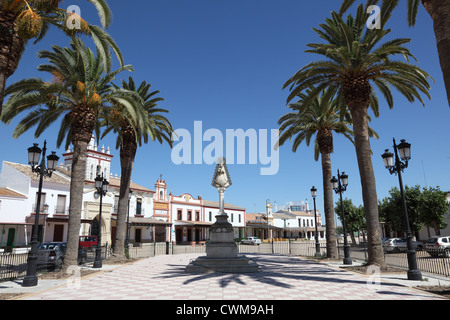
[130,135]
[22,20]
[439,11]
[354,62]
[79,91]
[320,116]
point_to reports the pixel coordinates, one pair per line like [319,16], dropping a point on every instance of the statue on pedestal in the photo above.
[221,250]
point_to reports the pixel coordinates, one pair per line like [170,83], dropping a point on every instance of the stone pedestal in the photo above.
[222,252]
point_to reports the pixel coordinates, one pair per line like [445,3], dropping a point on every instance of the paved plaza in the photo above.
[280,277]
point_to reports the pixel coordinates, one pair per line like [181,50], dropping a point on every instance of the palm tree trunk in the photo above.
[328,207]
[127,154]
[367,176]
[76,201]
[11,49]
[439,11]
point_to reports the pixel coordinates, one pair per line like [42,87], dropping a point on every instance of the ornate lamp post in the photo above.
[101,185]
[339,186]
[34,153]
[314,194]
[397,166]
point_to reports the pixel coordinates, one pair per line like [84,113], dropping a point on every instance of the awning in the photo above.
[262,226]
[138,221]
[179,223]
[16,223]
[304,229]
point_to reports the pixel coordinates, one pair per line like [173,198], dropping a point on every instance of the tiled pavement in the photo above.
[280,278]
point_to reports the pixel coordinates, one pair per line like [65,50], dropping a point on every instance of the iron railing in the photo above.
[13,266]
[428,261]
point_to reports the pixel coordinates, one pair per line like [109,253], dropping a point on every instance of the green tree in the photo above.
[320,117]
[22,20]
[426,207]
[354,217]
[439,11]
[130,135]
[433,208]
[355,59]
[78,93]
[392,209]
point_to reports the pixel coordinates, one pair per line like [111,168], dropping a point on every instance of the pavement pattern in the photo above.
[280,277]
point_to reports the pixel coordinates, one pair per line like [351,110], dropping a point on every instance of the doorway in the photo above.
[178,235]
[58,232]
[10,241]
[137,236]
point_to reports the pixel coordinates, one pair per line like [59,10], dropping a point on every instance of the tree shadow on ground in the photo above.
[275,270]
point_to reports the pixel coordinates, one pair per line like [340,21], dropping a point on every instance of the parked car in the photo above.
[88,242]
[51,255]
[436,246]
[400,245]
[251,240]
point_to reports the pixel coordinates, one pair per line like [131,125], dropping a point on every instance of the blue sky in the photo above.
[224,63]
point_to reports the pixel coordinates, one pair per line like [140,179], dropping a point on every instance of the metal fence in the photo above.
[300,248]
[435,262]
[13,266]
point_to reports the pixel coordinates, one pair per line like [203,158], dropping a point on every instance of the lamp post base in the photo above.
[415,275]
[347,259]
[98,259]
[318,254]
[30,281]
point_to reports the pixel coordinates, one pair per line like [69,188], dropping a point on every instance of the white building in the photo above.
[13,232]
[154,216]
[188,219]
[18,196]
[286,223]
[236,216]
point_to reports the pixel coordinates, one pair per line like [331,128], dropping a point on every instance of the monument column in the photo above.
[221,250]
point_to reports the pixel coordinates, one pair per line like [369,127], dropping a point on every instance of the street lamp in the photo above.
[34,153]
[101,185]
[339,186]
[314,194]
[127,241]
[393,163]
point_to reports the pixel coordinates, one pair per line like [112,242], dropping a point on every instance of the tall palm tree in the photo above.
[130,135]
[355,60]
[439,11]
[79,91]
[22,20]
[319,116]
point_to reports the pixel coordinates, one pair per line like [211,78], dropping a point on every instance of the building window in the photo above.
[239,217]
[179,214]
[210,216]
[41,207]
[189,215]
[138,206]
[161,195]
[61,204]
[232,218]
[116,204]
[197,216]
